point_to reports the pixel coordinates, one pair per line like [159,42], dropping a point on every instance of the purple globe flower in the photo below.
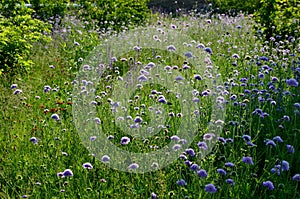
[34,140]
[60,174]
[210,188]
[67,173]
[209,50]
[153,195]
[97,120]
[13,86]
[277,139]
[286,118]
[162,100]
[246,138]
[181,182]
[133,166]
[292,82]
[235,56]
[285,166]
[197,77]
[179,78]
[221,139]
[202,145]
[188,54]
[176,147]
[55,117]
[105,158]
[194,167]
[110,137]
[125,140]
[190,151]
[271,143]
[138,120]
[202,173]
[200,46]
[250,143]
[275,170]
[275,79]
[229,181]
[247,160]
[221,171]
[47,89]
[93,138]
[17,91]
[175,138]
[290,148]
[187,162]
[208,136]
[171,48]
[268,184]
[297,105]
[87,165]
[263,58]
[142,78]
[229,140]
[229,164]
[296,177]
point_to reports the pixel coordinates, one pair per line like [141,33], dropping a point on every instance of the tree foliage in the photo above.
[44,9]
[18,32]
[115,14]
[279,17]
[229,6]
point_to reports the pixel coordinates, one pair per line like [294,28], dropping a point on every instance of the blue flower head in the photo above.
[209,50]
[268,184]
[285,166]
[247,160]
[202,173]
[210,188]
[181,182]
[221,171]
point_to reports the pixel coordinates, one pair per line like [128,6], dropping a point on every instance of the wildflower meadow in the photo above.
[101,101]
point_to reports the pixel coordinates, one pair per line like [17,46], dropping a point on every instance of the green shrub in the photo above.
[279,17]
[44,9]
[115,14]
[169,6]
[11,8]
[228,6]
[18,32]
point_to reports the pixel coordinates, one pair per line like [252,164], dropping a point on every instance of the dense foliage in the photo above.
[44,9]
[230,6]
[174,6]
[18,32]
[279,17]
[20,26]
[114,14]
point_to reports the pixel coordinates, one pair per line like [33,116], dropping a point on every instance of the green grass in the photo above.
[23,164]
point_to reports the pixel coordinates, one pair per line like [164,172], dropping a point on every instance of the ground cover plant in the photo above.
[256,154]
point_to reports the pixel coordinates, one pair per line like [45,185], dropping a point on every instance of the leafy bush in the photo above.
[170,6]
[18,32]
[115,14]
[44,9]
[279,17]
[228,6]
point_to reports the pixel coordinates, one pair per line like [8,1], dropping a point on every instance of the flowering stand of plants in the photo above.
[256,155]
